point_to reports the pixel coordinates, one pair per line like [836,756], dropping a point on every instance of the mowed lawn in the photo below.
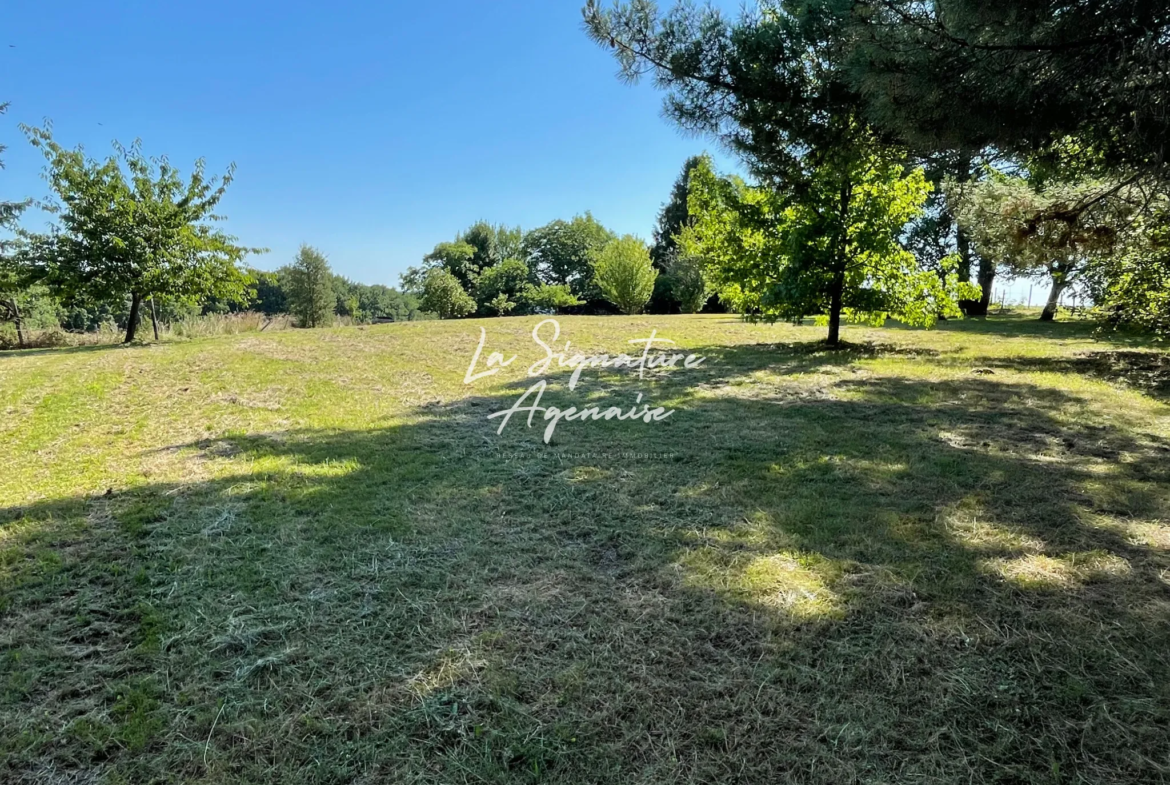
[307,556]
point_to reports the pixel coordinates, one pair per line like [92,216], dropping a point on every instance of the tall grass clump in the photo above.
[201,326]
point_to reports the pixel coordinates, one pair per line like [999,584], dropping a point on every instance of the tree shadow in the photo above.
[866,579]
[69,350]
[1019,325]
[1145,371]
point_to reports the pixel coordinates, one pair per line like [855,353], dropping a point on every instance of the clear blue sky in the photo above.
[370,130]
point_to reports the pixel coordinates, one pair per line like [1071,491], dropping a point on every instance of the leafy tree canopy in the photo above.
[1016,75]
[1132,286]
[561,253]
[130,226]
[478,248]
[674,214]
[502,287]
[776,258]
[821,234]
[772,84]
[1055,228]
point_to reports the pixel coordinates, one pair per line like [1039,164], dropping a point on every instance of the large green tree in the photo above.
[674,214]
[131,227]
[664,251]
[456,258]
[1053,229]
[774,86]
[772,257]
[492,243]
[561,253]
[501,288]
[473,251]
[1132,285]
[442,295]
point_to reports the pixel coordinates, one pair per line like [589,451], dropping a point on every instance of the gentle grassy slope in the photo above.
[308,557]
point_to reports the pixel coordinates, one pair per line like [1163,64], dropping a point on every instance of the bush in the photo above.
[687,282]
[443,296]
[624,273]
[550,298]
[33,339]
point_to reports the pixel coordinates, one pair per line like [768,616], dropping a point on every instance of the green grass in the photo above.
[308,557]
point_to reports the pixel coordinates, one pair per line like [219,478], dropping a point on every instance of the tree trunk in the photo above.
[153,317]
[132,322]
[837,294]
[1049,312]
[835,299]
[16,320]
[963,174]
[986,283]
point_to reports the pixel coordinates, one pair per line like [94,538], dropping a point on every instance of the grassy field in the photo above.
[309,557]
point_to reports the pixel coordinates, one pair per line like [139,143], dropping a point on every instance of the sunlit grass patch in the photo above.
[968,525]
[1066,571]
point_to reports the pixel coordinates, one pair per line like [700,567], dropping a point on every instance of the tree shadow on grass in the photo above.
[865,579]
[1028,325]
[68,350]
[1146,371]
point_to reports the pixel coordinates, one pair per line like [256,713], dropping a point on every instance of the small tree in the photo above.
[442,295]
[500,305]
[138,233]
[688,283]
[1132,287]
[833,252]
[672,219]
[624,273]
[309,287]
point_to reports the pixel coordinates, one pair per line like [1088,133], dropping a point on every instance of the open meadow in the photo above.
[308,556]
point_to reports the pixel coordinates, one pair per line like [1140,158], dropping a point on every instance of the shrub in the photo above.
[687,282]
[624,273]
[443,296]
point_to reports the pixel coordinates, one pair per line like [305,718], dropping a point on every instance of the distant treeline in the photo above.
[360,302]
[267,293]
[574,266]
